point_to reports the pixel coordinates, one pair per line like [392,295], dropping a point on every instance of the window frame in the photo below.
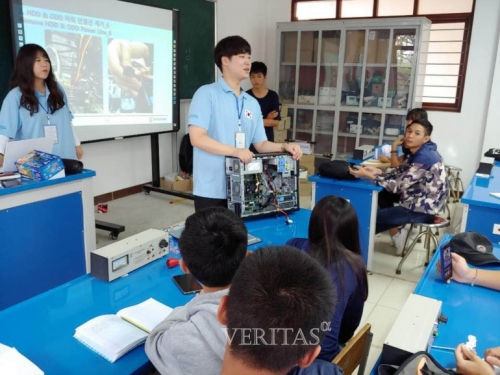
[467,18]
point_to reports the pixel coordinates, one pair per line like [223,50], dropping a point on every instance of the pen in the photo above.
[177,200]
[442,348]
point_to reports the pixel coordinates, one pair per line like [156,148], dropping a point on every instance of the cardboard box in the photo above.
[40,166]
[307,40]
[284,111]
[330,50]
[289,42]
[290,56]
[371,53]
[377,89]
[383,45]
[354,46]
[185,185]
[279,135]
[284,123]
[305,188]
[395,50]
[306,56]
[331,45]
[307,161]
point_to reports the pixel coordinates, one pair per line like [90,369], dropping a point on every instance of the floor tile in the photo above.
[373,356]
[396,294]
[377,284]
[381,319]
[367,309]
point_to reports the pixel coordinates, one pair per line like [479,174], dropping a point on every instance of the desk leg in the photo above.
[465,214]
[371,236]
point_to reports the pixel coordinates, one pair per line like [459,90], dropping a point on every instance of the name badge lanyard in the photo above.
[47,111]
[239,111]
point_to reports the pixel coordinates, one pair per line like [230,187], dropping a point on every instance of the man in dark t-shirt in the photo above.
[268,99]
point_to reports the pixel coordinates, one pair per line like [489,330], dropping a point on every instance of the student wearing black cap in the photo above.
[462,273]
[475,249]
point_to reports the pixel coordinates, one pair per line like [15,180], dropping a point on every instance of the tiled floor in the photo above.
[387,291]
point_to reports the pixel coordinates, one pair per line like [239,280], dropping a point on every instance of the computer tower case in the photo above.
[267,185]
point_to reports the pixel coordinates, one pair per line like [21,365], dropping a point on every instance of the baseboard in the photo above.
[103,198]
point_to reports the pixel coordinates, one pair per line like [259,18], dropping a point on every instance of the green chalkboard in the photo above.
[197,33]
[6,49]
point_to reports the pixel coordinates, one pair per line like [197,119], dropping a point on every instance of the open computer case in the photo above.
[268,185]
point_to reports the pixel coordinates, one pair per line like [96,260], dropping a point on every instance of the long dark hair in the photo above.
[334,238]
[24,78]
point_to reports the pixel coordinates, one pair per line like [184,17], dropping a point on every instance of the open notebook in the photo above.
[112,336]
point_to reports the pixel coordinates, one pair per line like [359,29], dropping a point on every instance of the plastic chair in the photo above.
[355,352]
[425,230]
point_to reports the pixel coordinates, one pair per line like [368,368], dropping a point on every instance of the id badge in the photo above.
[51,132]
[239,140]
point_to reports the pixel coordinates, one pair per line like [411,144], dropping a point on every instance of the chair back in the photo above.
[355,352]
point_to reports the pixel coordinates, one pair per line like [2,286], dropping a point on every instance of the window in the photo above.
[449,38]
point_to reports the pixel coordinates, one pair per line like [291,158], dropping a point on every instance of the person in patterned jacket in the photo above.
[421,182]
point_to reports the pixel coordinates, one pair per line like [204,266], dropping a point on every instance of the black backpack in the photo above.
[337,169]
[186,155]
[410,365]
[493,153]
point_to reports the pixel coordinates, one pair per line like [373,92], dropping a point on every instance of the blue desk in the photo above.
[47,232]
[363,195]
[470,311]
[42,327]
[481,210]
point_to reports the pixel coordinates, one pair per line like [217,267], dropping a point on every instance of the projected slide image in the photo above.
[77,64]
[130,65]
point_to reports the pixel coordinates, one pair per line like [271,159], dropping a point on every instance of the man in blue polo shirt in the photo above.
[224,121]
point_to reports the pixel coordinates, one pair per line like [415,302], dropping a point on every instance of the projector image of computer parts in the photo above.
[113,261]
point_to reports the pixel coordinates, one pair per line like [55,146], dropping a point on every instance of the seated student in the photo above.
[421,182]
[276,312]
[268,99]
[462,273]
[334,242]
[469,363]
[386,198]
[191,340]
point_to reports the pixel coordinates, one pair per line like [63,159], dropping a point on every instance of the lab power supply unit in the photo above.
[267,185]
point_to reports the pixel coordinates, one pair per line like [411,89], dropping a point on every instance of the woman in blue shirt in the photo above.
[36,105]
[334,242]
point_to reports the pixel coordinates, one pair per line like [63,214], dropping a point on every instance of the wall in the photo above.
[492,132]
[459,135]
[257,24]
[120,164]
